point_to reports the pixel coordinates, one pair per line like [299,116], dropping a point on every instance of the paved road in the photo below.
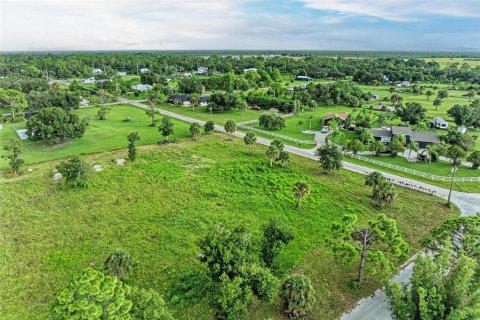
[374,307]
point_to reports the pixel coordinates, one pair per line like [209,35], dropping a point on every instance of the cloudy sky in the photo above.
[443,25]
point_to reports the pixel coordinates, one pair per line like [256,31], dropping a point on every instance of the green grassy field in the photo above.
[100,136]
[446,61]
[160,206]
[202,113]
[294,125]
[473,187]
[440,168]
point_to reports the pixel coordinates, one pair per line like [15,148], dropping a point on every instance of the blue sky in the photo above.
[422,25]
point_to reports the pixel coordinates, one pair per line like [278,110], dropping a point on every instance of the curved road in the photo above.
[374,307]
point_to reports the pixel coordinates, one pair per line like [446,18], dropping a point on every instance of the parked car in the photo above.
[324,129]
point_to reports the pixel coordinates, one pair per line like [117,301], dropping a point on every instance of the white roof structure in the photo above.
[142,87]
[97,71]
[144,70]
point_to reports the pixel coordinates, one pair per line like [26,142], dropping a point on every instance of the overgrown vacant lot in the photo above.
[160,206]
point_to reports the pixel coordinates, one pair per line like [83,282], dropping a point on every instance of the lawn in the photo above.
[444,62]
[202,113]
[440,168]
[160,206]
[100,136]
[473,187]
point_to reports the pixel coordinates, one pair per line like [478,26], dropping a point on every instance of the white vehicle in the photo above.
[324,129]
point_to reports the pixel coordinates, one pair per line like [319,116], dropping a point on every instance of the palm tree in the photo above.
[384,194]
[194,100]
[249,139]
[297,295]
[272,153]
[230,127]
[413,145]
[301,190]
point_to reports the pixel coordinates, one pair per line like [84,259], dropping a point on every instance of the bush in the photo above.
[297,295]
[271,120]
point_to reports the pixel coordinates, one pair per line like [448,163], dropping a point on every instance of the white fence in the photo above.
[414,172]
[276,135]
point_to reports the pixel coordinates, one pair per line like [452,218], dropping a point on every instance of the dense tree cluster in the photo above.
[55,125]
[368,71]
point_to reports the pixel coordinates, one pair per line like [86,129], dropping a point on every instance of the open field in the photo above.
[100,136]
[160,206]
[444,62]
[202,113]
[294,125]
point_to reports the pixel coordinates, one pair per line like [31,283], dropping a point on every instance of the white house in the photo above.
[96,71]
[122,73]
[142,87]
[89,80]
[144,70]
[250,69]
[438,123]
[202,70]
[184,74]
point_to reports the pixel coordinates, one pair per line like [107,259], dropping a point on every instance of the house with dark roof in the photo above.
[184,100]
[385,135]
[303,78]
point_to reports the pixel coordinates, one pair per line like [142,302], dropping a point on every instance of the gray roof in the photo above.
[380,133]
[425,137]
[405,130]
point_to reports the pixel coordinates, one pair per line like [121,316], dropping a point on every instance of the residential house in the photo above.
[142,87]
[184,100]
[334,115]
[250,69]
[438,123]
[201,70]
[303,78]
[144,70]
[184,74]
[385,135]
[89,80]
[96,71]
[122,73]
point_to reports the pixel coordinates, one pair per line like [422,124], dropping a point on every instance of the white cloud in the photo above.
[217,24]
[398,10]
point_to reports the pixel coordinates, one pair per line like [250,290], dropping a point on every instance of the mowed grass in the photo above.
[100,136]
[158,207]
[202,113]
[471,187]
[439,168]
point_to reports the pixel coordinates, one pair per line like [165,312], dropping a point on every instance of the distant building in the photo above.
[402,84]
[334,115]
[375,96]
[385,135]
[142,87]
[144,70]
[201,70]
[184,99]
[122,73]
[89,81]
[438,123]
[250,69]
[303,78]
[96,71]
[184,74]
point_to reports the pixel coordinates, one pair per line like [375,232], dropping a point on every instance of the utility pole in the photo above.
[451,182]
